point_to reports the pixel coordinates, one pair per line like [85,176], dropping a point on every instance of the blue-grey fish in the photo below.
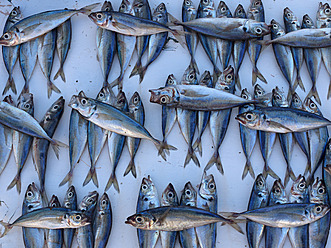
[275,236]
[85,237]
[239,47]
[169,198]
[189,12]
[326,172]
[102,222]
[137,112]
[248,136]
[148,198]
[258,199]
[32,237]
[292,24]
[202,116]
[63,40]
[319,230]
[255,12]
[156,42]
[219,120]
[299,194]
[188,237]
[40,146]
[54,238]
[11,54]
[97,136]
[77,141]
[313,57]
[22,142]
[46,49]
[70,202]
[187,118]
[116,143]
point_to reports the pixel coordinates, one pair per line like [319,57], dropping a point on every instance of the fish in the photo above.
[40,146]
[292,24]
[136,110]
[188,237]
[63,41]
[156,42]
[258,199]
[102,222]
[112,119]
[299,194]
[189,12]
[11,54]
[54,238]
[97,136]
[248,136]
[77,141]
[116,144]
[255,12]
[39,24]
[202,116]
[32,237]
[169,198]
[326,171]
[187,118]
[106,46]
[147,199]
[70,202]
[21,142]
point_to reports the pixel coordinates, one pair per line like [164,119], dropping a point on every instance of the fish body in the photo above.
[326,172]
[70,202]
[54,238]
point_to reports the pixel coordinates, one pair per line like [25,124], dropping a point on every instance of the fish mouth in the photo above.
[153,97]
[240,120]
[73,102]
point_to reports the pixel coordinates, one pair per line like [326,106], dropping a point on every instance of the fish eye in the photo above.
[70,194]
[170,195]
[312,105]
[104,202]
[27,105]
[56,107]
[249,116]
[139,219]
[6,36]
[258,30]
[90,200]
[191,76]
[159,16]
[144,187]
[101,94]
[161,8]
[302,185]
[67,204]
[78,217]
[289,15]
[259,92]
[327,11]
[245,97]
[239,11]
[211,186]
[226,87]
[307,21]
[123,6]
[296,100]
[187,2]
[229,76]
[135,100]
[260,183]
[188,192]
[223,9]
[99,16]
[53,205]
[29,193]
[275,26]
[170,81]
[318,209]
[14,12]
[140,5]
[48,118]
[83,101]
[277,97]
[107,9]
[205,1]
[257,3]
[163,99]
[277,191]
[321,190]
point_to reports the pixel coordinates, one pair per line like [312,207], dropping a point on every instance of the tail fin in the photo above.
[142,71]
[191,155]
[10,85]
[16,181]
[329,90]
[313,92]
[67,178]
[289,173]
[234,225]
[215,159]
[56,146]
[112,181]
[197,144]
[25,89]
[237,81]
[60,72]
[88,8]
[7,227]
[117,82]
[257,74]
[308,167]
[91,175]
[43,195]
[193,63]
[178,36]
[268,171]
[162,147]
[131,167]
[51,87]
[136,68]
[298,81]
[248,168]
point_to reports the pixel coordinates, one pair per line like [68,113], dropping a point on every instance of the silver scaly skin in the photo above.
[326,172]
[70,202]
[54,238]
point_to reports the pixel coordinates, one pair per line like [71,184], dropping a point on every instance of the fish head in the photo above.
[8,99]
[276,29]
[255,10]
[101,18]
[207,189]
[189,195]
[260,187]
[104,203]
[121,101]
[225,81]
[318,193]
[189,76]
[89,202]
[223,10]
[85,106]
[160,14]
[126,7]
[279,98]
[25,102]
[277,193]
[307,22]
[258,91]
[10,38]
[75,219]
[107,6]
[32,197]
[143,221]
[165,95]
[70,198]
[289,17]
[299,190]
[54,202]
[171,80]
[324,12]
[140,7]
[106,95]
[310,106]
[15,15]
[188,7]
[250,119]
[207,5]
[169,196]
[256,29]
[81,93]
[317,211]
[246,95]
[135,102]
[147,189]
[296,101]
[55,111]
[240,12]
[206,79]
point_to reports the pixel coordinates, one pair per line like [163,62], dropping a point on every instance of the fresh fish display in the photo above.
[70,202]
[102,222]
[54,238]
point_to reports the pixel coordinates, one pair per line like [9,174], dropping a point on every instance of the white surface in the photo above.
[83,73]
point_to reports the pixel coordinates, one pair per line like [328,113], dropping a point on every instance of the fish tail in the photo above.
[91,175]
[117,82]
[142,71]
[88,8]
[60,72]
[178,34]
[290,93]
[25,89]
[10,85]
[16,181]
[299,82]
[256,74]
[162,146]
[191,155]
[308,168]
[234,225]
[329,91]
[7,228]
[56,146]
[289,174]
[268,171]
[248,168]
[215,159]
[131,167]
[313,93]
[112,181]
[193,63]
[197,144]
[136,68]
[51,87]
[67,178]
[237,81]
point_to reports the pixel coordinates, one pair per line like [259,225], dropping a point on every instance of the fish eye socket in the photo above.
[53,205]
[170,81]
[187,2]
[6,36]
[277,191]
[307,21]
[223,9]
[257,3]
[104,202]
[302,185]
[274,26]
[163,99]
[318,209]
[139,219]
[170,195]
[56,107]
[83,101]
[191,76]
[78,217]
[70,194]
[249,116]
[188,192]
[211,186]
[90,200]
[239,11]
[205,1]
[312,105]
[27,105]
[144,187]
[260,183]
[107,9]
[123,6]
[229,76]
[101,94]
[14,12]
[278,97]
[135,100]
[259,92]
[288,14]
[159,16]
[226,87]
[29,193]
[258,30]
[245,97]
[327,11]
[321,190]
[67,204]
[99,16]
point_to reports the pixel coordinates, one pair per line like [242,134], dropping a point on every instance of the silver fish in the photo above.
[54,238]
[326,172]
[70,202]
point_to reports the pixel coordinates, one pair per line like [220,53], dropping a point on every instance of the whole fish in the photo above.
[125,45]
[21,142]
[63,40]
[54,238]
[77,141]
[247,136]
[114,120]
[85,237]
[207,200]
[255,12]
[239,47]
[40,146]
[102,222]
[97,136]
[36,25]
[46,49]
[168,198]
[313,57]
[258,199]
[319,230]
[116,144]
[189,12]
[299,194]
[70,202]
[147,199]
[136,109]
[188,237]
[32,237]
[11,54]
[196,97]
[187,118]
[292,24]
[156,42]
[326,171]
[202,116]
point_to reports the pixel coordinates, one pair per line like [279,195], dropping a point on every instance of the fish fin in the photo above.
[215,159]
[329,91]
[60,72]
[159,220]
[25,89]
[237,82]
[197,144]
[178,34]
[191,155]
[279,125]
[234,225]
[112,181]
[51,87]
[7,227]
[91,175]
[313,92]
[268,171]
[163,146]
[67,178]
[257,74]
[299,82]
[135,70]
[142,71]
[10,85]
[263,42]
[119,25]
[88,8]
[131,167]
[56,145]
[173,20]
[248,168]
[117,82]
[193,63]
[16,181]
